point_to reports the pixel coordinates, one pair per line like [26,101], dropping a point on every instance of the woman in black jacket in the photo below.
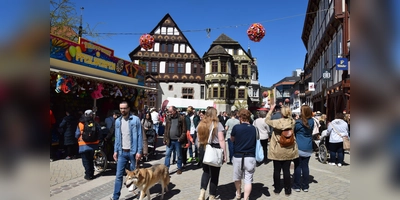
[67,128]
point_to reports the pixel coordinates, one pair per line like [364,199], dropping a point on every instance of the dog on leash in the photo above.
[146,178]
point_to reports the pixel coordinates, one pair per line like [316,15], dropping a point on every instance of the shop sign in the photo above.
[311,86]
[90,54]
[342,64]
[326,74]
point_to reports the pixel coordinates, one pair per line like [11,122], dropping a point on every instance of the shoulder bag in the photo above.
[259,148]
[213,156]
[346,140]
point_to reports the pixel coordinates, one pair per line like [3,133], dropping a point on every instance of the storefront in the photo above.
[86,75]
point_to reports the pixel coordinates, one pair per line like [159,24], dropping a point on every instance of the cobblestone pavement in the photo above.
[327,182]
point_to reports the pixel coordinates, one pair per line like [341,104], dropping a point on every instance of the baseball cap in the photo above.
[88,112]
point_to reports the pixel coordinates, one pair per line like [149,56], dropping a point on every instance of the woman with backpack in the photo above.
[282,150]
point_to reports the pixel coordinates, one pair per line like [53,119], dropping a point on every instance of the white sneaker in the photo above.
[331,163]
[339,165]
[131,188]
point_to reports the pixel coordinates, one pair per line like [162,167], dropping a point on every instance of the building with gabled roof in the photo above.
[172,66]
[229,74]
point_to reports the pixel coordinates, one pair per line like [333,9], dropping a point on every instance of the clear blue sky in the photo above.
[279,53]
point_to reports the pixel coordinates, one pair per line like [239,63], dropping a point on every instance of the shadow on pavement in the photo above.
[157,190]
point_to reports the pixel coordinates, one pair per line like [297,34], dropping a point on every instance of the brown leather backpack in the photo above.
[287,138]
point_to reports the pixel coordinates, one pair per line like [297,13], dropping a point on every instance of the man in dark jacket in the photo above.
[67,128]
[174,136]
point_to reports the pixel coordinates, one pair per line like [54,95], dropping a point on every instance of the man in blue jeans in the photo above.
[128,144]
[174,136]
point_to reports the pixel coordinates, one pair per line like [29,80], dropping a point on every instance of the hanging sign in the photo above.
[326,74]
[342,64]
[311,86]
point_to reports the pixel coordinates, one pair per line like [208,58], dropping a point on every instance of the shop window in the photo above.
[241,94]
[214,66]
[170,87]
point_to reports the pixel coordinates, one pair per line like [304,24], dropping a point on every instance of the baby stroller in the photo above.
[151,143]
[322,143]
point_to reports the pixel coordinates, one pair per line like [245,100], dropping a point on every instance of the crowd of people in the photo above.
[186,135]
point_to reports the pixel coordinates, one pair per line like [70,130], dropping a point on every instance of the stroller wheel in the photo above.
[323,153]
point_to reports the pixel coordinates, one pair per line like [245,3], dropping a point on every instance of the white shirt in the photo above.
[154,117]
[192,128]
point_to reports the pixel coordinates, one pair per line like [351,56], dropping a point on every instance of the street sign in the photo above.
[326,74]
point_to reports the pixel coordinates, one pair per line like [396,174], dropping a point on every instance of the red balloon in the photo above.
[256,32]
[265,94]
[146,41]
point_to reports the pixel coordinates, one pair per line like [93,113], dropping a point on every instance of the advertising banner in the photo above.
[90,54]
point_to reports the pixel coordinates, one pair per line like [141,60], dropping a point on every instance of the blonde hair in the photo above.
[209,118]
[286,112]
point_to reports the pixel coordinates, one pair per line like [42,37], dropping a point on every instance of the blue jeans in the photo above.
[230,148]
[174,145]
[155,127]
[301,167]
[122,162]
[336,148]
[87,161]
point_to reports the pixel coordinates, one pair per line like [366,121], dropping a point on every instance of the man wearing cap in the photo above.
[86,149]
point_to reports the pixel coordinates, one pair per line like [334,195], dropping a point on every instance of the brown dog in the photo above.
[146,178]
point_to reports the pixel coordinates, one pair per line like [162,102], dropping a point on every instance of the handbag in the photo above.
[346,140]
[213,156]
[259,148]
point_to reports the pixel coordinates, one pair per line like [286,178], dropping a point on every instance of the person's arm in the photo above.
[183,138]
[139,140]
[268,120]
[221,140]
[233,133]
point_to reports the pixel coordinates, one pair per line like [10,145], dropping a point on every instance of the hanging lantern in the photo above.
[265,94]
[146,41]
[256,32]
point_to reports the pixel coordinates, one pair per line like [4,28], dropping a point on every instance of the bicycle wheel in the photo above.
[323,153]
[100,161]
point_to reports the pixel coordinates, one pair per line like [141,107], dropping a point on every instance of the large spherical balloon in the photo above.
[256,32]
[146,41]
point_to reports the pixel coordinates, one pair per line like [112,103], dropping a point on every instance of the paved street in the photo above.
[327,182]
